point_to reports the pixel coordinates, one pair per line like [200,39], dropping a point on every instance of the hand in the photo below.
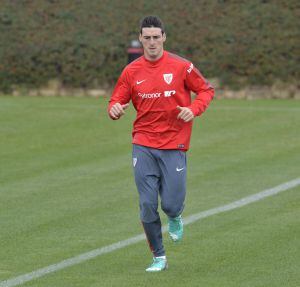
[185,114]
[118,110]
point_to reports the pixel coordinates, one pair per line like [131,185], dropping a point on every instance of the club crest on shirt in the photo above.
[168,78]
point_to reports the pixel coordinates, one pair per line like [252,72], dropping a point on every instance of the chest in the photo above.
[158,85]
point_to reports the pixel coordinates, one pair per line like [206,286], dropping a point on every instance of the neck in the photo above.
[153,59]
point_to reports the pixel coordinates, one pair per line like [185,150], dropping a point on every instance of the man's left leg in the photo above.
[173,189]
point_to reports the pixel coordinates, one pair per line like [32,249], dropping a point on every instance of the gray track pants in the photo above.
[159,172]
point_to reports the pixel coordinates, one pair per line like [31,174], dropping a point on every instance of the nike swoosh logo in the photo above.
[139,82]
[179,169]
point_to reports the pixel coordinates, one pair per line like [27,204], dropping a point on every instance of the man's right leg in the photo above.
[147,179]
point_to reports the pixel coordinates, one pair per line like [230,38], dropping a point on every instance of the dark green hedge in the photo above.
[83,43]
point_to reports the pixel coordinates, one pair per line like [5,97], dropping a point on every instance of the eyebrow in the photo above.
[154,36]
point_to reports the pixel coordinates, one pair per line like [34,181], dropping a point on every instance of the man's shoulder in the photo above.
[132,67]
[137,63]
[178,59]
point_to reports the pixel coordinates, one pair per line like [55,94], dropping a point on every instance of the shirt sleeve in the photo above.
[122,91]
[195,82]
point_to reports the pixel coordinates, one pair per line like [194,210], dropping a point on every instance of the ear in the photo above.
[164,37]
[140,37]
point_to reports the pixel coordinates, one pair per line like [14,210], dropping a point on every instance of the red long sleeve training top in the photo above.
[156,89]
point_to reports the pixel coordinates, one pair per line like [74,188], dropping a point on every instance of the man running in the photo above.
[159,84]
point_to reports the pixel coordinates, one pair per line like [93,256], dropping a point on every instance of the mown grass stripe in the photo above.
[121,244]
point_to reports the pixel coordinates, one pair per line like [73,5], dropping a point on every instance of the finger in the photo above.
[180,115]
[115,118]
[181,109]
[115,111]
[191,117]
[113,115]
[119,109]
[186,113]
[183,114]
[188,118]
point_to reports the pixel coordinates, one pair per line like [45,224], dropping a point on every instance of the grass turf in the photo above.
[67,188]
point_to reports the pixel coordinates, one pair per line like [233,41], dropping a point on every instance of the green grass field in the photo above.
[66,187]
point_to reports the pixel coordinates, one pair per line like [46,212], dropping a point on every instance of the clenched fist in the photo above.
[185,114]
[118,110]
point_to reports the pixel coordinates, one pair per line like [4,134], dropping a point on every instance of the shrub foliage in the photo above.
[83,43]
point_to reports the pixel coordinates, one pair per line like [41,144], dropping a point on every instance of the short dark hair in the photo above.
[152,21]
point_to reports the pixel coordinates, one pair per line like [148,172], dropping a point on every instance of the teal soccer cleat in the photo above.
[159,264]
[175,228]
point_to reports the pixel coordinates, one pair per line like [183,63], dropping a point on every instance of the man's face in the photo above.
[152,40]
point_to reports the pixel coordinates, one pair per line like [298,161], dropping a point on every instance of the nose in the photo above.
[151,41]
